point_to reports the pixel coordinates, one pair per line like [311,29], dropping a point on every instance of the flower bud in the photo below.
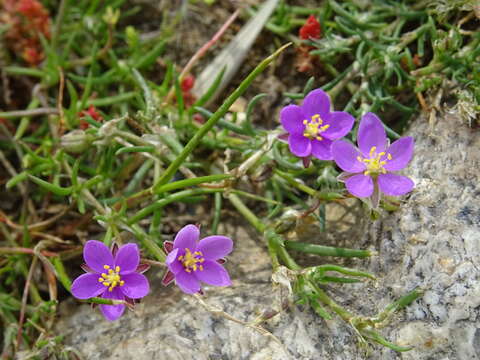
[76,141]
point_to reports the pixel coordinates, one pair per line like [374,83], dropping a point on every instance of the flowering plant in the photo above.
[191,261]
[312,127]
[115,275]
[369,168]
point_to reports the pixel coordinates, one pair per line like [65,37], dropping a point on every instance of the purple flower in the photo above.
[191,261]
[112,275]
[369,168]
[312,127]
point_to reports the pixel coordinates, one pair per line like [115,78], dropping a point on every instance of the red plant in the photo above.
[305,62]
[93,113]
[311,29]
[186,85]
[28,20]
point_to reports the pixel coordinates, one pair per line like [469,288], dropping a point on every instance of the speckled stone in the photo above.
[432,242]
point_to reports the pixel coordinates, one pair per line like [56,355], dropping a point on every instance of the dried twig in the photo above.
[24,301]
[253,325]
[202,51]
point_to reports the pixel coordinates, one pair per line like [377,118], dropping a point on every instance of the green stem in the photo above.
[245,211]
[167,200]
[330,196]
[191,182]
[222,110]
[324,298]
[326,250]
[151,246]
[276,242]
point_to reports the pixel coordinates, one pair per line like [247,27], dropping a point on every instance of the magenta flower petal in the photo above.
[401,152]
[359,185]
[346,157]
[136,285]
[395,185]
[128,258]
[87,286]
[340,123]
[371,133]
[215,247]
[187,237]
[300,145]
[113,312]
[96,254]
[316,102]
[321,149]
[292,118]
[187,282]
[172,262]
[213,274]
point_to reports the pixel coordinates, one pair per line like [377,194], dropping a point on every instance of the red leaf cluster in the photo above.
[93,113]
[304,62]
[186,85]
[28,20]
[311,29]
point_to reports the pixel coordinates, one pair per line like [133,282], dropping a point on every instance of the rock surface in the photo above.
[432,242]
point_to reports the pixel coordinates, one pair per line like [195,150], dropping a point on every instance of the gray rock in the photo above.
[432,242]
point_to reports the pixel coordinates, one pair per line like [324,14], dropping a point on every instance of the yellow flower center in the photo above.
[313,127]
[111,279]
[190,260]
[375,163]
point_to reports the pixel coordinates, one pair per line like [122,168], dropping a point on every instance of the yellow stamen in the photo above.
[190,260]
[313,127]
[374,164]
[112,279]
